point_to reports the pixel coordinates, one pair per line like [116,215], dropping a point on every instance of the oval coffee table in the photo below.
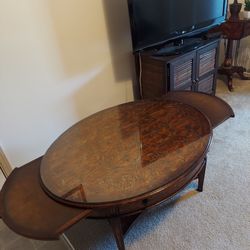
[113,165]
[127,158]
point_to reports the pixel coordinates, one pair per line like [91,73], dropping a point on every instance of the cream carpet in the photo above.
[217,219]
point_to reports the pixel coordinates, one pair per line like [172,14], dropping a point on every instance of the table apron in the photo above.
[138,206]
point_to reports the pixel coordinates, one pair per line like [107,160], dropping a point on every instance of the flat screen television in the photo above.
[154,22]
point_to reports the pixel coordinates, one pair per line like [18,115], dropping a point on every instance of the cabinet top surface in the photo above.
[167,58]
[125,151]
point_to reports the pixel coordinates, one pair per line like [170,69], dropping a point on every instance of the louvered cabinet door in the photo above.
[195,70]
[207,84]
[182,72]
[206,69]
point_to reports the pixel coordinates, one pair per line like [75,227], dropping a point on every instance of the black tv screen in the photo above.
[156,21]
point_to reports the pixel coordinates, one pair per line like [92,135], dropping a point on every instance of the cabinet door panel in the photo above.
[206,85]
[186,86]
[182,72]
[206,60]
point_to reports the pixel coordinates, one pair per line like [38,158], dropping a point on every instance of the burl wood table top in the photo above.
[124,152]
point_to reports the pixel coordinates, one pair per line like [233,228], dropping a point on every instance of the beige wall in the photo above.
[60,61]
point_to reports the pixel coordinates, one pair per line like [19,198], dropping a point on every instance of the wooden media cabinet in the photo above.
[193,70]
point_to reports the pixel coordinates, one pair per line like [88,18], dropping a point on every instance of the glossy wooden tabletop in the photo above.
[125,151]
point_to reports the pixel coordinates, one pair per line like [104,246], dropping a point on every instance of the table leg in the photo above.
[201,176]
[240,71]
[116,226]
[120,226]
[228,62]
[228,69]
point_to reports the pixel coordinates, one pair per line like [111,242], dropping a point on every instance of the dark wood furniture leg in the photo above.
[228,69]
[229,74]
[240,71]
[116,225]
[120,226]
[201,176]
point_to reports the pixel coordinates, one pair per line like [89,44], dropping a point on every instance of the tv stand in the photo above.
[192,66]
